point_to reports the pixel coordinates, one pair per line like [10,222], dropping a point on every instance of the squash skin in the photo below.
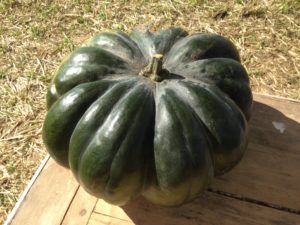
[123,135]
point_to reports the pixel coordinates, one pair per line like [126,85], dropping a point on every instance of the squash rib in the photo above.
[80,139]
[229,128]
[119,142]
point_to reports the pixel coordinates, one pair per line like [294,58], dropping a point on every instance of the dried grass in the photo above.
[35,35]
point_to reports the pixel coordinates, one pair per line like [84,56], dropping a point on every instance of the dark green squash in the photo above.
[153,114]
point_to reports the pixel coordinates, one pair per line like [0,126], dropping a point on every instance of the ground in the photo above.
[35,35]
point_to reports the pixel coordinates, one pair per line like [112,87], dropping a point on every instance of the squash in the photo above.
[156,114]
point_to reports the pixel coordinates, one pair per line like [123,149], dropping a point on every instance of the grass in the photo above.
[36,35]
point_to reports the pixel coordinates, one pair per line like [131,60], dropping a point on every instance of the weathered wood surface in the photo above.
[263,189]
[49,197]
[270,169]
[80,208]
[209,209]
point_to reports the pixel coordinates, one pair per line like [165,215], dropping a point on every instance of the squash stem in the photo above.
[156,67]
[154,70]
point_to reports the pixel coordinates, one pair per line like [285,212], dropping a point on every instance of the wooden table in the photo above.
[263,189]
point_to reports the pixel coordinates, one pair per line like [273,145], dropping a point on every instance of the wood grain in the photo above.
[267,112]
[49,197]
[210,209]
[80,209]
[269,170]
[100,219]
[107,209]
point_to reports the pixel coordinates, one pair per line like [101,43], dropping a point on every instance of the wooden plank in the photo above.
[269,170]
[265,175]
[286,106]
[107,209]
[210,209]
[49,197]
[26,191]
[275,123]
[100,219]
[80,209]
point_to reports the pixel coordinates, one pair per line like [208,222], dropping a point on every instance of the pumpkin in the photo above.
[156,114]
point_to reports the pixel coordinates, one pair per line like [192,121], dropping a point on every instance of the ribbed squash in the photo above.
[150,113]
